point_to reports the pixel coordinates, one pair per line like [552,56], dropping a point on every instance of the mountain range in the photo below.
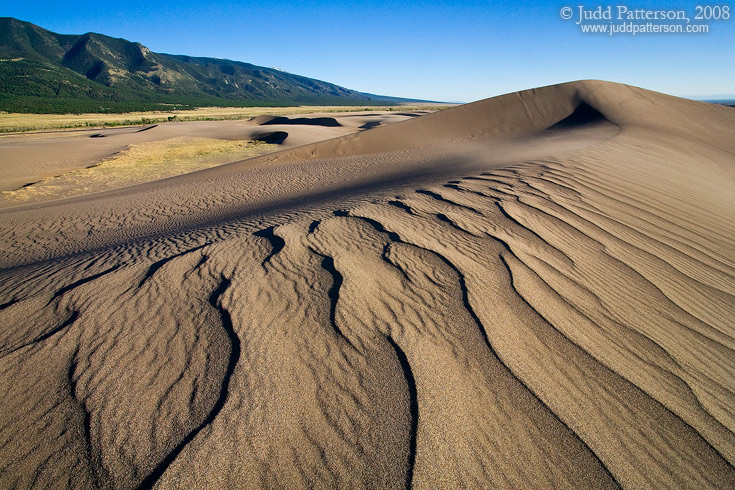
[43,71]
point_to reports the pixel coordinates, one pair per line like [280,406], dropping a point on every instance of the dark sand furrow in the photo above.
[92,453]
[439,197]
[65,324]
[541,259]
[414,408]
[276,242]
[333,293]
[215,299]
[80,282]
[160,263]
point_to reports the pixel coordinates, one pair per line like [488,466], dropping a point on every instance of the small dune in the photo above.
[304,121]
[271,137]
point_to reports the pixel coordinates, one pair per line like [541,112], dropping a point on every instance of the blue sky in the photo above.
[451,50]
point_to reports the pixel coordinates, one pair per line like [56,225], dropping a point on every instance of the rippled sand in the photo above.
[534,290]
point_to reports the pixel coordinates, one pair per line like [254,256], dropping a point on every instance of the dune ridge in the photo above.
[534,290]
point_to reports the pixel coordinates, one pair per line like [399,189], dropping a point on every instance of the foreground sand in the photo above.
[534,290]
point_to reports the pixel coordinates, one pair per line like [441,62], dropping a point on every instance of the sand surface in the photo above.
[531,291]
[27,158]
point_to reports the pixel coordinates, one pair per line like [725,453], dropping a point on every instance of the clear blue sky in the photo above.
[451,50]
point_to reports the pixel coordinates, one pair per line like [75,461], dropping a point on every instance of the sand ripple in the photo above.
[550,316]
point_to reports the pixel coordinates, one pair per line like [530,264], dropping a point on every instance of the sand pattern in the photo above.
[465,299]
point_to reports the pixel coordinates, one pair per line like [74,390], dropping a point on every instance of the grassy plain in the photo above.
[17,122]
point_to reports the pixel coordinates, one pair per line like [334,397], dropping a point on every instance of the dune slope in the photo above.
[534,290]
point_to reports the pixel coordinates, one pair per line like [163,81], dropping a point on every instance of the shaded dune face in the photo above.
[308,121]
[275,137]
[583,115]
[532,291]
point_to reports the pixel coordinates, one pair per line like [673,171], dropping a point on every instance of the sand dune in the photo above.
[531,291]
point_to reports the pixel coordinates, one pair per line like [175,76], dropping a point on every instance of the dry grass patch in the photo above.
[14,122]
[143,162]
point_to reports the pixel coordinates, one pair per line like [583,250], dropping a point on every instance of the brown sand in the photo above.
[27,158]
[535,290]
